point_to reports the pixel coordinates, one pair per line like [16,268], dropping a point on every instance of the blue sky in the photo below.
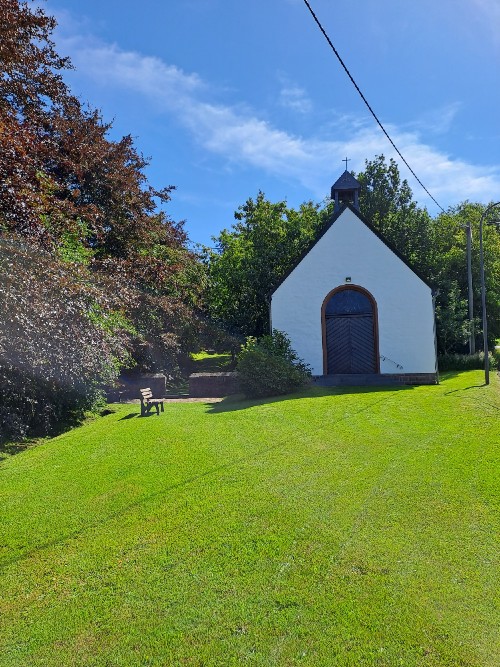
[229,96]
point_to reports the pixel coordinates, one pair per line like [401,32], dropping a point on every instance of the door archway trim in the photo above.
[366,293]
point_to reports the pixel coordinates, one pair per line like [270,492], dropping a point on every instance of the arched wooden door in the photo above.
[350,327]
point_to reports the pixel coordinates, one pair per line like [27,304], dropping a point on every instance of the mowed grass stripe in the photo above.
[331,528]
[172,453]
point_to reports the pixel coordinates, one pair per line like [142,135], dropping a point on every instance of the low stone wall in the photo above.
[413,378]
[213,385]
[129,386]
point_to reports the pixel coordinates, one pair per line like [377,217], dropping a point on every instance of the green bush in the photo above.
[268,367]
[467,362]
[58,344]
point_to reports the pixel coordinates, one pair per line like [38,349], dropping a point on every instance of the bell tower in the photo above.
[346,190]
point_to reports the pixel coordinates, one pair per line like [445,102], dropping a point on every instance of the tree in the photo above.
[60,173]
[60,342]
[382,191]
[31,87]
[250,259]
[450,274]
[268,239]
[31,83]
[387,203]
[69,190]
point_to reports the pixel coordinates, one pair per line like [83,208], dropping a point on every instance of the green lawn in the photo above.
[203,362]
[334,527]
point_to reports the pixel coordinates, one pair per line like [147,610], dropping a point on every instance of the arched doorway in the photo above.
[350,345]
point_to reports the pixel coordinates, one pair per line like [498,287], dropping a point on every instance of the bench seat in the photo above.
[148,402]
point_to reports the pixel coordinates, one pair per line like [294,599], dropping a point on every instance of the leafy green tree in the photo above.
[268,239]
[436,248]
[386,201]
[250,259]
[449,273]
[383,193]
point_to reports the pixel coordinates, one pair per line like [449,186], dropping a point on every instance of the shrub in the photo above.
[466,362]
[268,366]
[58,344]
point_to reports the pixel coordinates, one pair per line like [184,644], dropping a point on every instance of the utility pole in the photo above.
[483,293]
[472,337]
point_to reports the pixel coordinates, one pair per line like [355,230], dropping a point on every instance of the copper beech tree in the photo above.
[81,199]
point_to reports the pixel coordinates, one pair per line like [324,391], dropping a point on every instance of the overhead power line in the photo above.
[368,105]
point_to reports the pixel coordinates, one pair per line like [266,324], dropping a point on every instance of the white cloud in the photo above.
[489,12]
[438,121]
[111,66]
[490,8]
[241,137]
[295,98]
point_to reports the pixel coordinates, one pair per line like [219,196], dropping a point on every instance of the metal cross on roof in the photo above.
[346,160]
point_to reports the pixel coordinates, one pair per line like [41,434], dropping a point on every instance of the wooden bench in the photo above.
[148,402]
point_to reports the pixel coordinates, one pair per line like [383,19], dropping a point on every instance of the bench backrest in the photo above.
[146,393]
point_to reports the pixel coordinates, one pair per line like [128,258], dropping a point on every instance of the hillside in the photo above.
[334,527]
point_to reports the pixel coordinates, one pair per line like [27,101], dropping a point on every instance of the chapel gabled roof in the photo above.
[327,226]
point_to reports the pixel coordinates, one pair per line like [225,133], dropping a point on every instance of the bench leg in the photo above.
[161,405]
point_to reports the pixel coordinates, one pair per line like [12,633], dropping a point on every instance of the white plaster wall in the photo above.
[404,302]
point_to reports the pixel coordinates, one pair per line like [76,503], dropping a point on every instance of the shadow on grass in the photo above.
[472,386]
[39,436]
[8,449]
[130,415]
[449,375]
[239,402]
[452,374]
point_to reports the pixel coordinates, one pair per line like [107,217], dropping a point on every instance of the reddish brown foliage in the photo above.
[58,168]
[56,350]
[30,81]
[70,190]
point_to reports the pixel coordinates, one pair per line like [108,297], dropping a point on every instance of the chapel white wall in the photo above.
[404,302]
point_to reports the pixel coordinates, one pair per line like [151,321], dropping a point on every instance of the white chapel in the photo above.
[353,308]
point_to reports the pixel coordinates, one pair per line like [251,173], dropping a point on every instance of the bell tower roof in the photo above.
[346,190]
[346,182]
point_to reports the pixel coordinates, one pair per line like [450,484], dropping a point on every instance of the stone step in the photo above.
[355,380]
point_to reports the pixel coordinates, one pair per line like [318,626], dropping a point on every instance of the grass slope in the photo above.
[335,527]
[203,362]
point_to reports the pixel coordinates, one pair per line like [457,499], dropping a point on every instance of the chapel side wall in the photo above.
[404,302]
